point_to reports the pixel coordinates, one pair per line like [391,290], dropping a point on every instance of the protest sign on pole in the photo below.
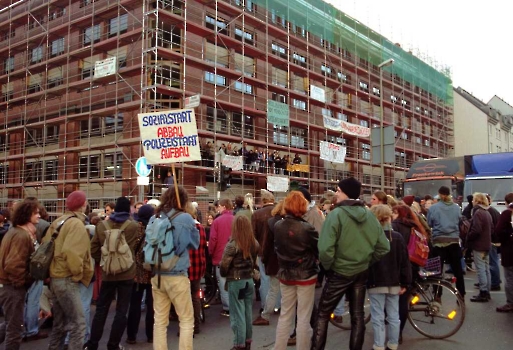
[169,136]
[233,162]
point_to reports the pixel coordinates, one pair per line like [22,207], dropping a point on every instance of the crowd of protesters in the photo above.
[286,248]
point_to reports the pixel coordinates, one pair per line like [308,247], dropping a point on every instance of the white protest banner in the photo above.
[345,127]
[234,162]
[332,152]
[277,183]
[169,136]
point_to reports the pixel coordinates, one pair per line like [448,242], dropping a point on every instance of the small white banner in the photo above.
[105,67]
[332,152]
[234,162]
[192,101]
[277,184]
[317,93]
[143,180]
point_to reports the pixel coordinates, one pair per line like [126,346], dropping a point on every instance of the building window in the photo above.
[51,170]
[113,165]
[341,77]
[218,25]
[393,99]
[84,3]
[364,86]
[490,128]
[279,50]
[279,97]
[280,135]
[245,3]
[326,70]
[217,120]
[4,171]
[364,123]
[242,125]
[298,137]
[57,47]
[114,124]
[242,35]
[90,127]
[341,116]
[427,143]
[89,167]
[299,104]
[53,82]
[33,88]
[33,137]
[118,25]
[57,13]
[33,172]
[8,64]
[245,88]
[215,79]
[498,134]
[375,91]
[92,34]
[299,59]
[36,54]
[52,134]
[87,72]
[366,154]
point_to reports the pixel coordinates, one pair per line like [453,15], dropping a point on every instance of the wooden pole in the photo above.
[176,186]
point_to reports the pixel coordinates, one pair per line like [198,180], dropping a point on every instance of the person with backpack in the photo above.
[109,247]
[71,265]
[15,251]
[173,286]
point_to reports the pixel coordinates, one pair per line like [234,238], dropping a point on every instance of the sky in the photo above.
[473,38]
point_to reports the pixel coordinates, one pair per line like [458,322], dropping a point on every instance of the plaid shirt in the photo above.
[197,257]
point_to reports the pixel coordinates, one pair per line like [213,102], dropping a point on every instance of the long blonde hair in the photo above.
[242,234]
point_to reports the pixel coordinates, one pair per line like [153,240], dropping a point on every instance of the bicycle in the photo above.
[346,317]
[435,308]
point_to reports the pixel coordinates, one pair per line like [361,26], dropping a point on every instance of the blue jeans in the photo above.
[241,310]
[264,282]
[86,295]
[225,300]
[495,271]
[341,306]
[379,304]
[68,314]
[481,259]
[31,312]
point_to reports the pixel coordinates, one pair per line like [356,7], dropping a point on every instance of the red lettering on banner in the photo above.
[175,152]
[170,131]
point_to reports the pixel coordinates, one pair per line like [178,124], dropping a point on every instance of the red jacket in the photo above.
[220,233]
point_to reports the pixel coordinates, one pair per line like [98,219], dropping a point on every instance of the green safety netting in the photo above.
[330,24]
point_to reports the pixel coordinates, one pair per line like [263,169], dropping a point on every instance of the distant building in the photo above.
[481,127]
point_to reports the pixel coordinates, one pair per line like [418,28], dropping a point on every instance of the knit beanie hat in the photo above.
[408,200]
[351,187]
[122,205]
[145,213]
[75,200]
[444,190]
[305,193]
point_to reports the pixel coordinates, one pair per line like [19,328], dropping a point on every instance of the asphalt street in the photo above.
[483,328]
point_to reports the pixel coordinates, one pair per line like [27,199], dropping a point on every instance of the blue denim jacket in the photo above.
[186,236]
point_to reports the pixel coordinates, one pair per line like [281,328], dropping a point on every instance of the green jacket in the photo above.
[351,239]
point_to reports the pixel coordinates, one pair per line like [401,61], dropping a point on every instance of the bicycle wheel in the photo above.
[345,322]
[436,309]
[209,288]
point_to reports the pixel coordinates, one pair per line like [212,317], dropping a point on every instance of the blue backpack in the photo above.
[159,249]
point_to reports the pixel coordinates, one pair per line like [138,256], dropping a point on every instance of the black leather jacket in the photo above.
[234,266]
[295,241]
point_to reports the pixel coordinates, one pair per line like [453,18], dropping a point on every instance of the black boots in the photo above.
[482,297]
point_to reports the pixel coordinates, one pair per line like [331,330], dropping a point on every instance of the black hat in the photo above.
[145,213]
[305,193]
[444,190]
[351,187]
[122,205]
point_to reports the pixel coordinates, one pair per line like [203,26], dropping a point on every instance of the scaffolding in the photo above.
[66,127]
